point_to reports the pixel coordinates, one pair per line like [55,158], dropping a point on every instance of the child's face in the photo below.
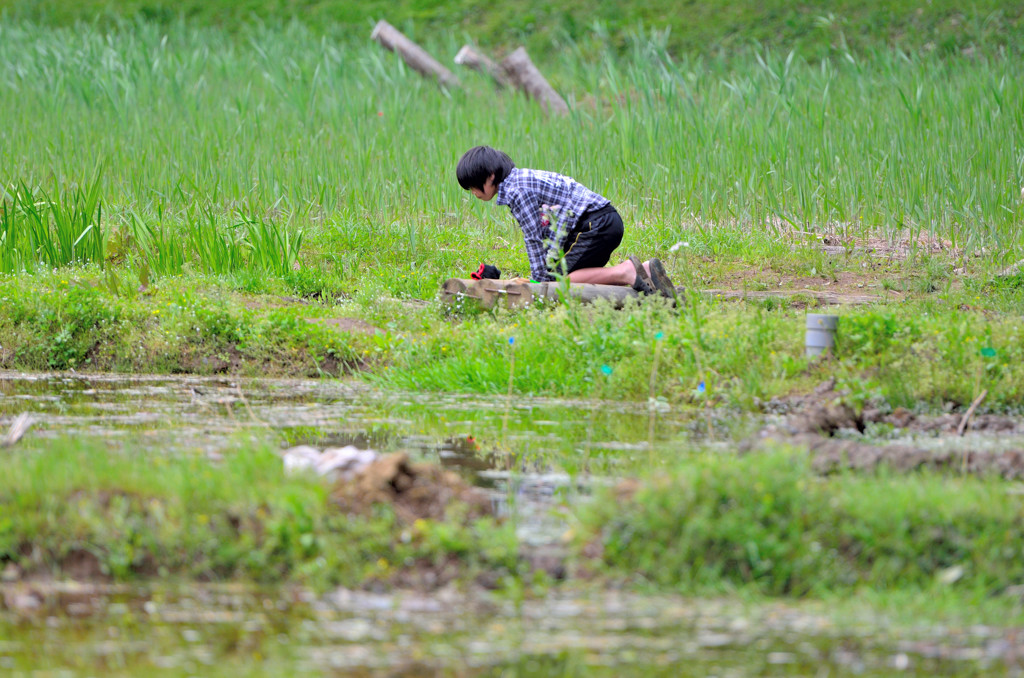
[488,190]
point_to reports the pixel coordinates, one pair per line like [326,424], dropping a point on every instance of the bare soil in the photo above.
[813,422]
[415,491]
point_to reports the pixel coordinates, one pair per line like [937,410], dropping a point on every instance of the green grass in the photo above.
[84,319]
[141,514]
[44,232]
[944,26]
[907,355]
[336,139]
[242,162]
[270,161]
[764,522]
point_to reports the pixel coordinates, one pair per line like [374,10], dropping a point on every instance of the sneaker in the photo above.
[643,283]
[661,281]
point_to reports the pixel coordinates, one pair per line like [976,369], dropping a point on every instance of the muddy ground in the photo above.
[839,436]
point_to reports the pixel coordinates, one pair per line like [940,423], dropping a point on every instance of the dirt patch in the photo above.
[845,238]
[82,565]
[831,455]
[814,420]
[837,288]
[799,298]
[198,359]
[414,491]
[772,282]
[824,412]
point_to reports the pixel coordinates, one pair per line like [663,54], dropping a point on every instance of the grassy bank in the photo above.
[205,174]
[816,27]
[725,353]
[928,352]
[762,525]
[85,319]
[764,522]
[84,511]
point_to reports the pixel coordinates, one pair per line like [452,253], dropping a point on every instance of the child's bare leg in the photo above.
[620,274]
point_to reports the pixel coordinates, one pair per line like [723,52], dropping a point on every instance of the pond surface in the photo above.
[206,413]
[534,455]
[234,630]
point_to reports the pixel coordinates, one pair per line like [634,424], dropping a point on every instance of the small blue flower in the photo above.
[511,341]
[659,336]
[606,369]
[701,388]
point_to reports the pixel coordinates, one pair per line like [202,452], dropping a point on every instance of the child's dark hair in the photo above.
[478,163]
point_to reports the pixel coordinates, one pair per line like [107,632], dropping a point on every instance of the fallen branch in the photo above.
[470,58]
[20,426]
[524,75]
[970,412]
[393,39]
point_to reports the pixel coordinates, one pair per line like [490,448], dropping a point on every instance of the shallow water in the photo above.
[534,455]
[237,630]
[531,453]
[208,412]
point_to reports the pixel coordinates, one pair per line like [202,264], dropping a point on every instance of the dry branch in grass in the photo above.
[392,39]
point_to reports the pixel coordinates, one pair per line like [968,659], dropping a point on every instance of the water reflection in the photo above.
[235,630]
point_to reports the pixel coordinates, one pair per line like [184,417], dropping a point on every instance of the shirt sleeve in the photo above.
[534,235]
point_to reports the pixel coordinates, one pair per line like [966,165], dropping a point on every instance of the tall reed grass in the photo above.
[342,141]
[39,230]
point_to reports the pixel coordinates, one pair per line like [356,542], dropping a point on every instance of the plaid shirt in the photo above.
[547,206]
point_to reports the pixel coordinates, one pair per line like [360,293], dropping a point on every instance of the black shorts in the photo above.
[592,240]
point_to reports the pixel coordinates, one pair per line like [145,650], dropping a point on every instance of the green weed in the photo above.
[40,231]
[137,513]
[765,522]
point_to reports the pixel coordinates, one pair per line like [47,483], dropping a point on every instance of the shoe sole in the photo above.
[641,272]
[661,281]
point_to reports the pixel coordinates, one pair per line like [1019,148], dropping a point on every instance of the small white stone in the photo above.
[300,458]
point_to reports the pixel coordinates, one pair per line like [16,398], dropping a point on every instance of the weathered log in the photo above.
[524,75]
[585,292]
[21,425]
[460,294]
[470,58]
[468,295]
[393,39]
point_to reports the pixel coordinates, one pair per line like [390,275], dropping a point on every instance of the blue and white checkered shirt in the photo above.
[547,206]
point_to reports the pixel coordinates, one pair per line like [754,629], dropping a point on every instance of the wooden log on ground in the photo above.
[585,292]
[393,39]
[470,58]
[460,294]
[524,75]
[19,427]
[518,295]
